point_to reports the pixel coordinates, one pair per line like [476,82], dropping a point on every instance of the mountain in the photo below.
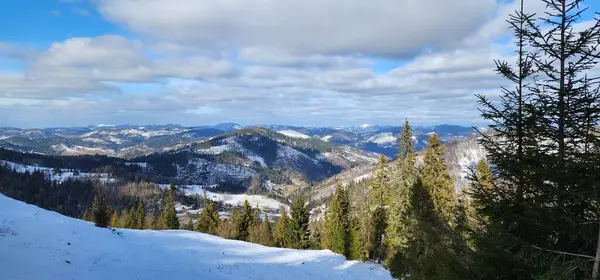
[255,160]
[39,244]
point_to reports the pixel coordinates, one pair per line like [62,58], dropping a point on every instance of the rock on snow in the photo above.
[39,244]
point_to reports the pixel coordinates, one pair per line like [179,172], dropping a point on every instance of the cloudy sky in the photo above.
[193,62]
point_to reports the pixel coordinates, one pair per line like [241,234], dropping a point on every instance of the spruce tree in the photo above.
[209,219]
[262,233]
[114,220]
[539,209]
[244,222]
[406,145]
[100,211]
[337,222]
[355,246]
[438,182]
[140,216]
[169,214]
[131,219]
[380,199]
[299,224]
[282,230]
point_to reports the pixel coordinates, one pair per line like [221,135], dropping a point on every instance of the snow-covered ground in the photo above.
[294,134]
[383,138]
[50,173]
[39,244]
[261,202]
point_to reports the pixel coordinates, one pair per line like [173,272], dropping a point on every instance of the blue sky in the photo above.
[192,62]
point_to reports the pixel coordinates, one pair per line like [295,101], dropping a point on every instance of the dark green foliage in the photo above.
[87,216]
[189,225]
[244,221]
[406,145]
[437,181]
[299,224]
[355,246]
[169,215]
[131,219]
[208,221]
[283,232]
[541,214]
[337,223]
[100,212]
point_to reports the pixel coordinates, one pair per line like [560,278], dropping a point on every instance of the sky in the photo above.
[196,62]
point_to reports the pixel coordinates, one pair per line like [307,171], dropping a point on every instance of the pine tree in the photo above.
[100,212]
[114,220]
[209,219]
[337,222]
[437,181]
[169,214]
[299,224]
[281,235]
[140,216]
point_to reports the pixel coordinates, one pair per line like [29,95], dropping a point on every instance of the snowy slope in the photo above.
[294,134]
[263,203]
[50,173]
[38,244]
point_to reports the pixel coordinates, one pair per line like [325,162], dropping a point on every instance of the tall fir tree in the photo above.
[169,214]
[540,207]
[337,222]
[380,198]
[438,182]
[299,224]
[282,232]
[131,220]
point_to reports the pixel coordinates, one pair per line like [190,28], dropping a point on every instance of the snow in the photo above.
[365,125]
[294,134]
[39,244]
[143,165]
[327,138]
[263,203]
[383,138]
[59,177]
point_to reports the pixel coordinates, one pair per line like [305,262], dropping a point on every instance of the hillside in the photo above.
[38,244]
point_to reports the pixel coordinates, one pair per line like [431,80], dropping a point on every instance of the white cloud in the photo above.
[377,27]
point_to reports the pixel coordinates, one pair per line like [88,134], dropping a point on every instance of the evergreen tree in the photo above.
[437,181]
[380,199]
[337,222]
[131,219]
[100,212]
[282,231]
[244,222]
[169,214]
[299,224]
[406,145]
[355,247]
[114,219]
[140,216]
[209,219]
[543,146]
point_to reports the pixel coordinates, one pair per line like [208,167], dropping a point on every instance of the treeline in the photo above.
[536,213]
